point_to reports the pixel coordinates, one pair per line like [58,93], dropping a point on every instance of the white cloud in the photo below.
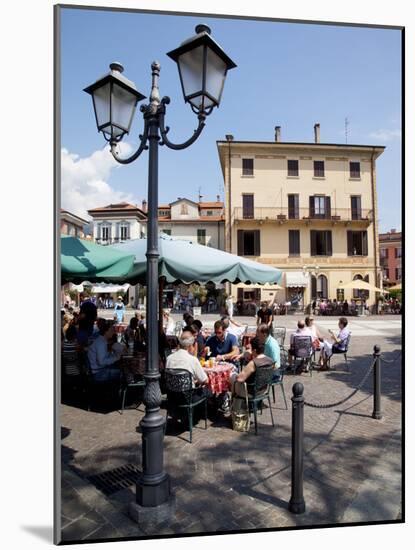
[84,181]
[386,135]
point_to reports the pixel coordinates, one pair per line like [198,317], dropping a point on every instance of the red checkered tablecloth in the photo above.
[219,378]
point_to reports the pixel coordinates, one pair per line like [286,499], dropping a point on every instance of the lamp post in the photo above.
[203,66]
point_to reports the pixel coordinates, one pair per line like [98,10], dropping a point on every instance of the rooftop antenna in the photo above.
[346,128]
[200,195]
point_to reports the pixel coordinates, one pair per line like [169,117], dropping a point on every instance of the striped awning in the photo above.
[296,279]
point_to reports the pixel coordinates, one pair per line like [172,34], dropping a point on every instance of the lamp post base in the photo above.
[152,495]
[296,507]
[148,517]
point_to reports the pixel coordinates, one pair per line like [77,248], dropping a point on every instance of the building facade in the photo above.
[390,248]
[118,222]
[309,209]
[199,222]
[73,225]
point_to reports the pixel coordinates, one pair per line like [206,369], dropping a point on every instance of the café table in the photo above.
[219,377]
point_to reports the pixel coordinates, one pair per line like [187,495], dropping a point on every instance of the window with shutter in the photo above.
[357,243]
[292,166]
[257,243]
[312,211]
[327,207]
[247,167]
[356,204]
[355,169]
[313,243]
[293,207]
[329,246]
[248,206]
[319,168]
[240,242]
[321,243]
[249,243]
[350,243]
[364,243]
[294,242]
[201,236]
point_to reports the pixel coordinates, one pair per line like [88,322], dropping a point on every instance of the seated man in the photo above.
[302,330]
[103,362]
[221,345]
[259,359]
[184,358]
[337,346]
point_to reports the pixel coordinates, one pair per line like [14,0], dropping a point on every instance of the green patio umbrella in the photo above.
[83,260]
[187,262]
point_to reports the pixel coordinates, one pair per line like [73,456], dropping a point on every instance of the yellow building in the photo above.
[309,209]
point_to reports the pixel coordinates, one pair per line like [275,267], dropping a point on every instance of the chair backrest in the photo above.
[347,343]
[262,380]
[302,346]
[178,381]
[279,335]
[70,361]
[178,329]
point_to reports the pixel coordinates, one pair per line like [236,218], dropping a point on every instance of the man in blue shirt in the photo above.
[221,345]
[272,349]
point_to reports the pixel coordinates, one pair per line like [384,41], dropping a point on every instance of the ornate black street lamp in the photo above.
[203,66]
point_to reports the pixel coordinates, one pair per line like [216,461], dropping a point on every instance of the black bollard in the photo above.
[377,412]
[297,504]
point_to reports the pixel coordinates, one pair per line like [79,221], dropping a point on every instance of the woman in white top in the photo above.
[309,322]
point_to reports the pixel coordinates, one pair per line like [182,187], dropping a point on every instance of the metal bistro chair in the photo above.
[258,390]
[303,350]
[178,329]
[279,335]
[344,352]
[180,395]
[129,380]
[279,381]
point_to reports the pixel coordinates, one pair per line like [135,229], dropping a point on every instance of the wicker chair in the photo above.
[303,351]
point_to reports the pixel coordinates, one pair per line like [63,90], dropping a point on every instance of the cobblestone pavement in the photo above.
[227,480]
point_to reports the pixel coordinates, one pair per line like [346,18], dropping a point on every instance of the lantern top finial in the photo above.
[202,28]
[115,66]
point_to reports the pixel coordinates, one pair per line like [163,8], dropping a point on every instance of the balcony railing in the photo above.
[111,240]
[267,213]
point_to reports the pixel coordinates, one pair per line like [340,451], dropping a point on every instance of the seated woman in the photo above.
[337,346]
[315,334]
[259,360]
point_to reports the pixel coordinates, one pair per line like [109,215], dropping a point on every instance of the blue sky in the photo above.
[288,74]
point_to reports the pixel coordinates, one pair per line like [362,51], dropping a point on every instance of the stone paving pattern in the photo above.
[226,481]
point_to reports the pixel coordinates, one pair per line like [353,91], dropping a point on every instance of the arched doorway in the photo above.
[322,287]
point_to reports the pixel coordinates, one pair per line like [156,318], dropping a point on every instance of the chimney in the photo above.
[393,230]
[317,132]
[278,133]
[217,198]
[144,205]
[229,137]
